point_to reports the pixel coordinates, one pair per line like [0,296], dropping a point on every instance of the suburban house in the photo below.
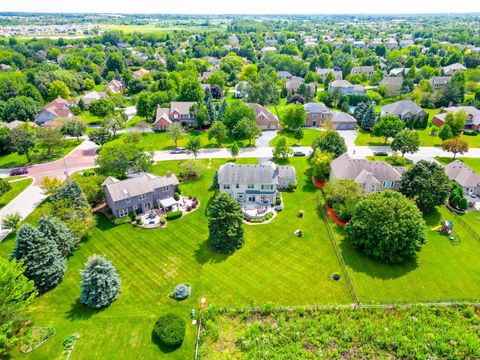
[452,69]
[473,117]
[115,86]
[284,75]
[406,43]
[405,110]
[54,109]
[369,70]
[140,73]
[371,176]
[398,71]
[347,88]
[264,118]
[324,72]
[292,86]
[255,184]
[438,82]
[468,179]
[391,43]
[177,112]
[140,193]
[267,49]
[318,114]
[393,85]
[92,96]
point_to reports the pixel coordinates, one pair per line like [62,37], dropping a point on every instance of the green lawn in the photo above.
[308,136]
[17,187]
[441,271]
[273,267]
[161,141]
[90,119]
[472,163]
[13,159]
[134,120]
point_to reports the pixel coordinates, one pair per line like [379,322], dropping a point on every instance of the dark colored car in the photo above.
[19,171]
[178,151]
[380,153]
[298,153]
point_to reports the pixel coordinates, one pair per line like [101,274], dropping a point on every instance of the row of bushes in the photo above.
[262,219]
[457,198]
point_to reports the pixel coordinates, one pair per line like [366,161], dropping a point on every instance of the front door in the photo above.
[147,206]
[241,198]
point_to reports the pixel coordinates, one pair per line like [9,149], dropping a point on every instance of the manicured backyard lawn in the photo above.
[90,119]
[17,187]
[308,136]
[273,267]
[13,159]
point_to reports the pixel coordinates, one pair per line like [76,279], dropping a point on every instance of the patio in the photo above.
[153,218]
[254,211]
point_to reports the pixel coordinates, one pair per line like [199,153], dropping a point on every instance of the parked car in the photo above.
[178,151]
[19,171]
[380,153]
[298,153]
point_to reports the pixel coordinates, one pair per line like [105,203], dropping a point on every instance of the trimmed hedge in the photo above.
[170,330]
[172,215]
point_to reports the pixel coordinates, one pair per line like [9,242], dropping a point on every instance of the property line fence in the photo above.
[467,227]
[351,288]
[199,330]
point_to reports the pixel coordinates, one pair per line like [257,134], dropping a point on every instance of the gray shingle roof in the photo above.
[248,174]
[394,80]
[462,174]
[342,117]
[402,107]
[137,185]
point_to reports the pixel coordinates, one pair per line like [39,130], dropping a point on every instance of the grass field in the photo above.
[13,159]
[308,136]
[17,187]
[90,119]
[273,267]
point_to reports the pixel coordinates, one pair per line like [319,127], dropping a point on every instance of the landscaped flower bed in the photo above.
[34,337]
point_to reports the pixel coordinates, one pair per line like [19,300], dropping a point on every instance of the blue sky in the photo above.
[244,6]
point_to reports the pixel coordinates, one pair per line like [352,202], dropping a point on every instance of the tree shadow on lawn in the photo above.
[433,218]
[204,255]
[79,311]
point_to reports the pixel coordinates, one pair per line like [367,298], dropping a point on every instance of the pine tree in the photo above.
[70,190]
[211,111]
[225,224]
[57,231]
[44,263]
[100,283]
[360,111]
[368,120]
[221,110]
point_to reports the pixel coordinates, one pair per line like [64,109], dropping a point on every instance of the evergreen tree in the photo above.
[100,283]
[368,119]
[225,224]
[70,190]
[55,230]
[44,263]
[211,111]
[360,111]
[221,110]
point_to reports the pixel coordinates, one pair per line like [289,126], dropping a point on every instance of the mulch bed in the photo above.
[318,183]
[334,217]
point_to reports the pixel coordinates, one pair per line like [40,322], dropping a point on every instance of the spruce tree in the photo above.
[225,224]
[368,120]
[45,266]
[70,190]
[211,111]
[100,283]
[360,111]
[57,231]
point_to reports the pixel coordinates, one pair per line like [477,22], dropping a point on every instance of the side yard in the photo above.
[18,185]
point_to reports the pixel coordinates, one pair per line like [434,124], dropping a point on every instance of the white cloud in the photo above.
[244,6]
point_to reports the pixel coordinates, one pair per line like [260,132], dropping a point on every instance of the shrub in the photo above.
[172,215]
[278,201]
[4,186]
[11,221]
[176,196]
[181,292]
[163,220]
[189,208]
[463,203]
[470,132]
[69,341]
[122,220]
[301,213]
[341,211]
[170,330]
[132,215]
[293,186]
[194,205]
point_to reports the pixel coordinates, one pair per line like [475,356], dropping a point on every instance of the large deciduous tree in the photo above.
[320,164]
[175,132]
[388,126]
[294,117]
[456,120]
[225,224]
[455,146]
[246,129]
[330,142]
[427,184]
[122,159]
[387,226]
[73,126]
[100,283]
[20,108]
[406,141]
[218,131]
[23,139]
[282,150]
[236,111]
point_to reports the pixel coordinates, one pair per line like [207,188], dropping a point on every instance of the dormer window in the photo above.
[142,197]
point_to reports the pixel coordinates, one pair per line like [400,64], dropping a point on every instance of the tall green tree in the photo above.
[246,129]
[193,146]
[330,142]
[234,150]
[100,283]
[175,132]
[23,139]
[320,164]
[406,141]
[294,117]
[45,266]
[73,126]
[456,120]
[236,111]
[191,90]
[225,224]
[122,159]
[388,126]
[58,89]
[50,137]
[19,108]
[282,150]
[218,131]
[55,230]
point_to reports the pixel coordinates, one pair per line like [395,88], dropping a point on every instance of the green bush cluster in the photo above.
[172,215]
[170,330]
[4,186]
[457,198]
[122,220]
[262,219]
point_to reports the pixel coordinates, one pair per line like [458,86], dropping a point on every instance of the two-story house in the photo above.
[55,109]
[263,117]
[140,193]
[405,110]
[255,184]
[439,82]
[472,121]
[371,176]
[178,112]
[359,70]
[346,88]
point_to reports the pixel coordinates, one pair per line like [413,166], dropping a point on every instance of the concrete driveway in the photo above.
[266,137]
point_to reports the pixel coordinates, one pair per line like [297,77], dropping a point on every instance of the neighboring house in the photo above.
[468,179]
[92,96]
[398,71]
[16,123]
[369,70]
[264,118]
[115,86]
[233,40]
[324,72]
[439,82]
[371,176]
[267,49]
[284,75]
[270,40]
[255,184]
[57,108]
[473,117]
[205,75]
[393,85]
[359,44]
[140,193]
[5,67]
[178,112]
[347,88]
[240,90]
[140,73]
[343,121]
[452,69]
[391,43]
[405,110]
[292,86]
[318,114]
[406,43]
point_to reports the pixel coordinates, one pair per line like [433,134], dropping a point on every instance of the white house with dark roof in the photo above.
[368,70]
[255,184]
[439,82]
[468,179]
[324,72]
[371,176]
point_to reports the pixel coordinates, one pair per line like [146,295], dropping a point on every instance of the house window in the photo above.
[251,186]
[267,187]
[251,198]
[237,186]
[388,184]
[142,197]
[373,188]
[127,201]
[226,186]
[166,188]
[122,212]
